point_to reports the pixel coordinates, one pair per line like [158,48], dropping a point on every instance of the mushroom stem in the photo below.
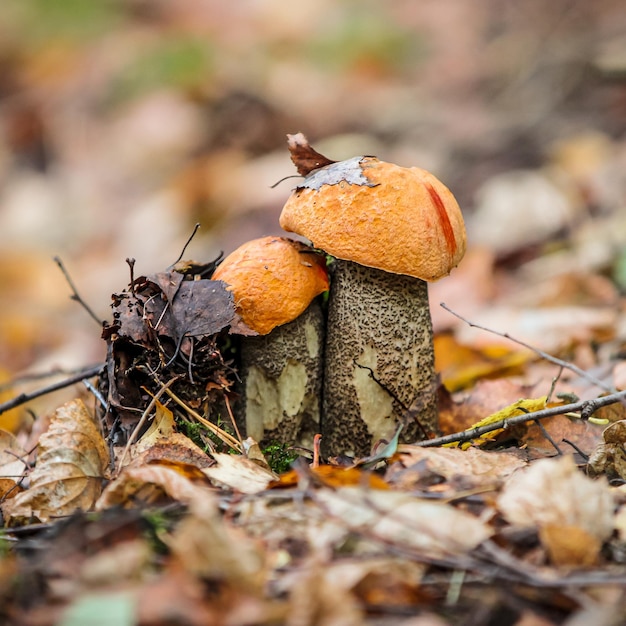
[281,375]
[379,360]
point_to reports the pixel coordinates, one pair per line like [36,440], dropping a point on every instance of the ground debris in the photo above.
[166,326]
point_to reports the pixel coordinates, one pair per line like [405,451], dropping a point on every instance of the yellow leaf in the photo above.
[9,420]
[525,405]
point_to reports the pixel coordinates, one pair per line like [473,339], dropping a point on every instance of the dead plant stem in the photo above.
[586,408]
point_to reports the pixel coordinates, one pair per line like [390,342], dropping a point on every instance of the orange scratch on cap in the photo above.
[444,220]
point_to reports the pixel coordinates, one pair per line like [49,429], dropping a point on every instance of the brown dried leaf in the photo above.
[212,549]
[581,433]
[486,398]
[12,464]
[553,492]
[200,308]
[380,581]
[303,156]
[433,528]
[162,444]
[72,460]
[149,484]
[240,473]
[570,546]
[478,468]
[316,598]
[610,457]
[170,306]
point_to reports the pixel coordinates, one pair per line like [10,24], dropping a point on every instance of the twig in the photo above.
[232,419]
[75,295]
[547,435]
[193,234]
[131,265]
[32,376]
[228,439]
[144,417]
[585,407]
[537,351]
[26,397]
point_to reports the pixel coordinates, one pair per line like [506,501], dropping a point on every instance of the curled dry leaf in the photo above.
[240,473]
[148,484]
[432,528]
[161,443]
[552,494]
[12,465]
[72,460]
[609,457]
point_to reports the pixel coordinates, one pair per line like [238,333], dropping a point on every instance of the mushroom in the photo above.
[274,281]
[391,229]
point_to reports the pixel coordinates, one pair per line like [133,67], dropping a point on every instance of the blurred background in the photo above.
[125,122]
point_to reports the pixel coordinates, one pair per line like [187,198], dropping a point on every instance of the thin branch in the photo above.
[131,265]
[144,417]
[233,420]
[193,234]
[228,439]
[26,397]
[537,351]
[585,407]
[28,377]
[75,295]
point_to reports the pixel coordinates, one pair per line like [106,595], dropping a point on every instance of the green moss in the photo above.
[279,456]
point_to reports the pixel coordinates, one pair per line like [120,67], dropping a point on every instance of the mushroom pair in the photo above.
[390,229]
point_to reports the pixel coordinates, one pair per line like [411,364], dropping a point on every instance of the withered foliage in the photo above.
[167,326]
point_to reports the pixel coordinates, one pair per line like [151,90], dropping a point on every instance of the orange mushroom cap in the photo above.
[400,220]
[273,280]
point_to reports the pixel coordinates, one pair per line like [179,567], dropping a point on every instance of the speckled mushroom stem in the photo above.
[379,360]
[281,373]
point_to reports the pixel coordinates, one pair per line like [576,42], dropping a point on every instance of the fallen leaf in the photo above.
[315,598]
[570,545]
[349,171]
[380,582]
[432,528]
[521,407]
[478,468]
[161,443]
[610,457]
[554,493]
[460,366]
[303,156]
[239,472]
[550,329]
[72,461]
[210,548]
[581,433]
[334,476]
[485,398]
[148,484]
[13,465]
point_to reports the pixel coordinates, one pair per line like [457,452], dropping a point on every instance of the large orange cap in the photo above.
[273,280]
[400,220]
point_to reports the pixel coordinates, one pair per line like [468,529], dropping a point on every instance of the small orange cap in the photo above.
[397,219]
[273,280]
